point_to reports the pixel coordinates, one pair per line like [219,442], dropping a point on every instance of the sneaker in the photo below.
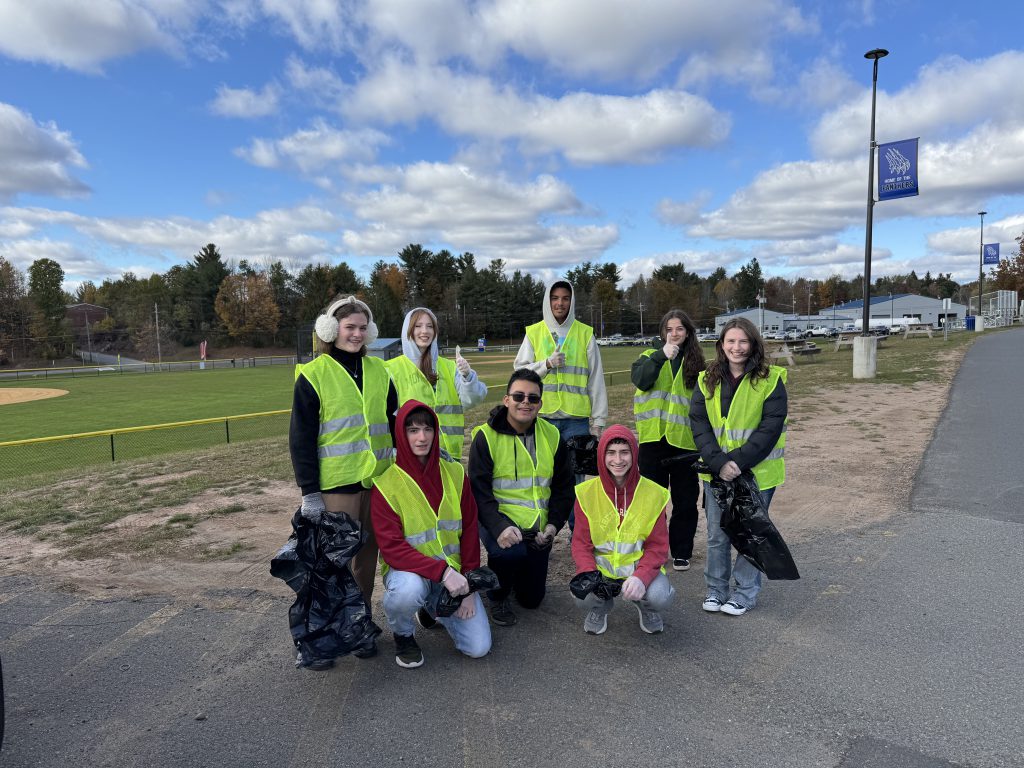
[680,564]
[407,652]
[650,619]
[367,651]
[596,623]
[712,604]
[734,609]
[502,614]
[425,620]
[317,665]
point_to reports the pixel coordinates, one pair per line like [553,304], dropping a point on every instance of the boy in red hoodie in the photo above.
[425,520]
[621,531]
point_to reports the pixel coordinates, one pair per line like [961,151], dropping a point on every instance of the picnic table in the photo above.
[785,352]
[845,339]
[918,329]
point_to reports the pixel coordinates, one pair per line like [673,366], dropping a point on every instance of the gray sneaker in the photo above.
[650,619]
[596,622]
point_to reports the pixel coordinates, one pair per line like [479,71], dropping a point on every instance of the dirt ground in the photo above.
[851,457]
[10,395]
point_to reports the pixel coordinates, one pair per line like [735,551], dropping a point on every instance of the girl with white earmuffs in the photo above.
[342,425]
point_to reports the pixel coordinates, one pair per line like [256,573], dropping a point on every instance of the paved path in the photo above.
[901,646]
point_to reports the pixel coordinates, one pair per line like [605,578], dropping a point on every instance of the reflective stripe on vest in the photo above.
[354,442]
[664,410]
[412,384]
[618,547]
[745,412]
[565,388]
[521,486]
[436,536]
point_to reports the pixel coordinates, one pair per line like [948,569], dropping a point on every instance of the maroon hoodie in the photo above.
[655,547]
[387,526]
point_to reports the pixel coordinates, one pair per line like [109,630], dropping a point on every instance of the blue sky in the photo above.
[541,132]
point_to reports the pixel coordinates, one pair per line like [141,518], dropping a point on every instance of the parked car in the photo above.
[792,334]
[775,336]
[707,337]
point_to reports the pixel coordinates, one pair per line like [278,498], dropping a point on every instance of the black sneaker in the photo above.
[425,620]
[502,614]
[367,651]
[680,564]
[407,652]
[317,665]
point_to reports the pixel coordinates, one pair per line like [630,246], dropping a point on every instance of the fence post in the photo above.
[227,429]
[111,446]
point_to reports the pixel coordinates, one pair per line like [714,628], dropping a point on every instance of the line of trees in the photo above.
[210,297]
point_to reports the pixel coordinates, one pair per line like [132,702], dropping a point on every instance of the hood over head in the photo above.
[549,317]
[620,496]
[409,348]
[427,476]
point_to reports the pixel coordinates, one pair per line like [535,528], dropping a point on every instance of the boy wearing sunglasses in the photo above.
[523,485]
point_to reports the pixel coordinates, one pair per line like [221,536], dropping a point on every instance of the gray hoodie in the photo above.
[526,358]
[471,390]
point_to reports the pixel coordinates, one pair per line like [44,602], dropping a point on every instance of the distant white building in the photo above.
[763,319]
[901,305]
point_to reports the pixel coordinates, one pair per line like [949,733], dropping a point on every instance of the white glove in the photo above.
[543,537]
[463,366]
[633,589]
[455,582]
[313,506]
[557,360]
[670,350]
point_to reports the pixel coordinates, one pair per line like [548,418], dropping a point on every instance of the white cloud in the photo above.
[491,216]
[316,149]
[586,128]
[963,242]
[36,158]
[244,102]
[82,35]
[681,213]
[315,24]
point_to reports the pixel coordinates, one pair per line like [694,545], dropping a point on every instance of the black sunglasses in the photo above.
[520,396]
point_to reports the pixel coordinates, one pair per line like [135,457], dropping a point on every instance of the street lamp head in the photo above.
[876,54]
[982,213]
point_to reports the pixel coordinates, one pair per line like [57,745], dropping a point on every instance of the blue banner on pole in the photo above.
[991,251]
[897,169]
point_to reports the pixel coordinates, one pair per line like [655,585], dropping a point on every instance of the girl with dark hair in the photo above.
[448,387]
[739,414]
[664,379]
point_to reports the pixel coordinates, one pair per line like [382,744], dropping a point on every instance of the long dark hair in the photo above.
[757,367]
[693,355]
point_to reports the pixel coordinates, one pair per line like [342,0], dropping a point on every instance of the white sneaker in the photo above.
[711,604]
[733,608]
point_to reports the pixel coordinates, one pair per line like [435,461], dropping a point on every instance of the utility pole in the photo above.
[88,338]
[156,310]
[641,305]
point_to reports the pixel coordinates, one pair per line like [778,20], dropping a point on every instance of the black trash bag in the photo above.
[582,584]
[530,540]
[684,457]
[329,617]
[442,604]
[745,521]
[582,454]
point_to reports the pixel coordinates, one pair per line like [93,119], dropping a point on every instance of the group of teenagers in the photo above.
[382,441]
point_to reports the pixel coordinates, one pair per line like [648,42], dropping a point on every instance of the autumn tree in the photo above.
[245,304]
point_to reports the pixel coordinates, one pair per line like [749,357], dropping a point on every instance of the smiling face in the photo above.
[618,459]
[521,412]
[352,332]
[675,331]
[422,331]
[421,438]
[736,346]
[560,299]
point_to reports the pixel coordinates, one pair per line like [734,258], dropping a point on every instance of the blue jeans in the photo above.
[746,579]
[658,598]
[571,427]
[405,593]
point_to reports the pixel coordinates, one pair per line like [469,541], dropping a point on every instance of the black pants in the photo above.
[681,480]
[519,569]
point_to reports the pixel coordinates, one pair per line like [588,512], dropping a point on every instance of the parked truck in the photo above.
[887,324]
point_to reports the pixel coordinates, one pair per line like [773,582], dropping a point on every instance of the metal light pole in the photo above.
[981,260]
[865,347]
[874,55]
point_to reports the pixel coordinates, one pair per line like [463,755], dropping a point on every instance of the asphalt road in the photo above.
[900,646]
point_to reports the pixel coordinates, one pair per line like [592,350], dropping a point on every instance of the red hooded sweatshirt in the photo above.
[655,547]
[387,526]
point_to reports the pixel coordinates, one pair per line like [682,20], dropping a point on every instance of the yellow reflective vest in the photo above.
[663,411]
[412,384]
[565,388]
[619,547]
[437,536]
[522,486]
[354,444]
[744,417]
